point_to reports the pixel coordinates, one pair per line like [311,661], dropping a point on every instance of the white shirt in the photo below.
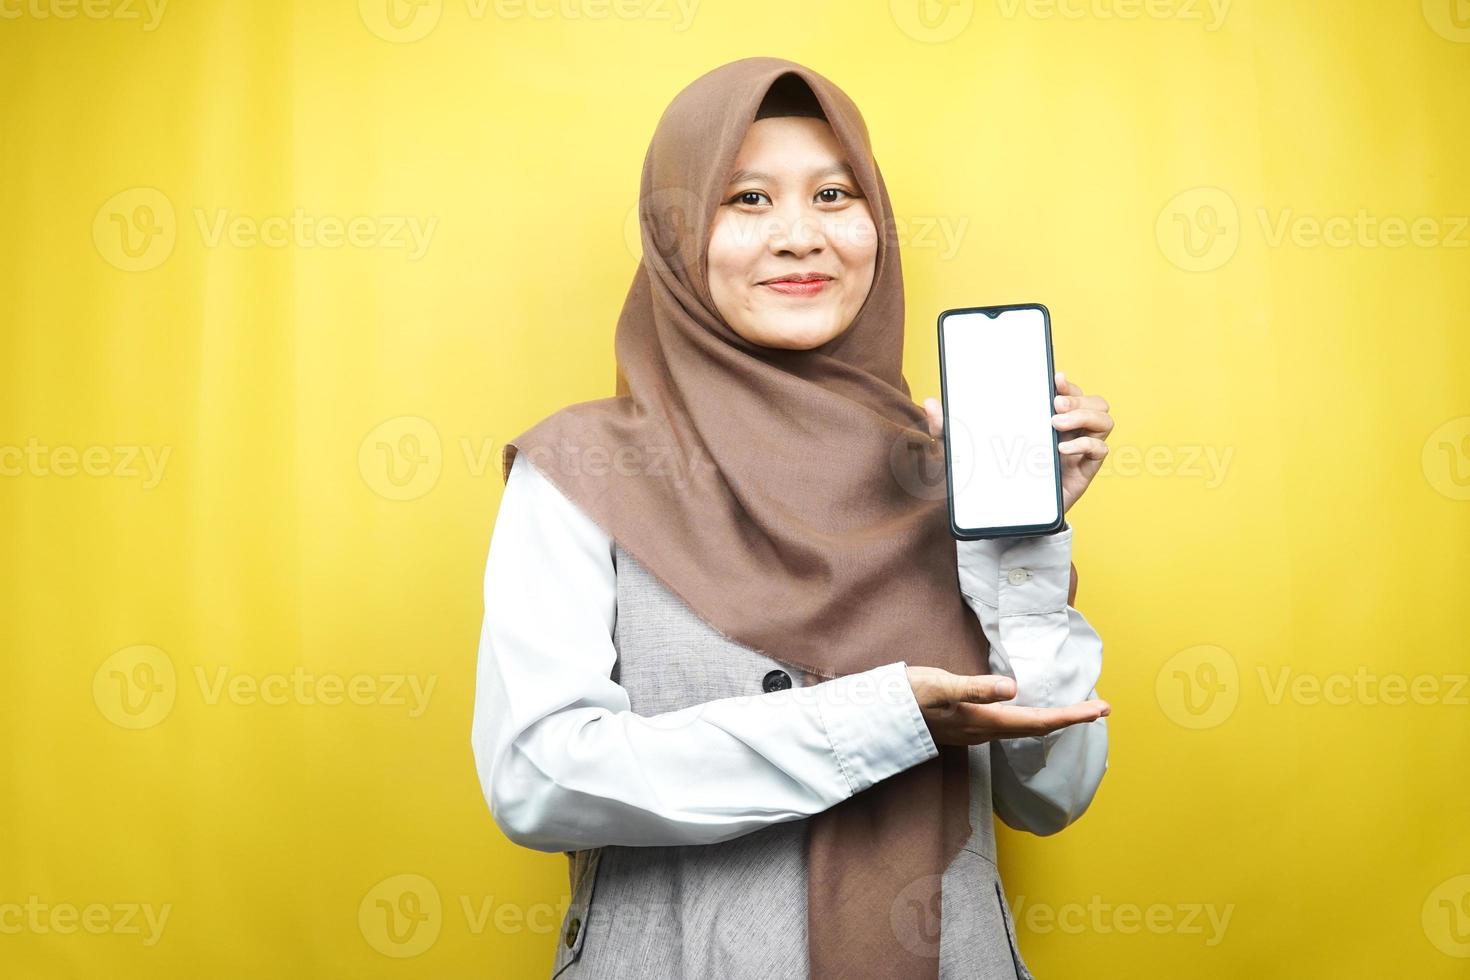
[565,764]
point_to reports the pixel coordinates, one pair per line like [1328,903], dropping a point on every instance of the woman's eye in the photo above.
[827,195]
[832,190]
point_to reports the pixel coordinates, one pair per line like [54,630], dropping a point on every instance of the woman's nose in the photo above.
[798,234]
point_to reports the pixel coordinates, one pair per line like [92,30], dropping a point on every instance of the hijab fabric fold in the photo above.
[793,499]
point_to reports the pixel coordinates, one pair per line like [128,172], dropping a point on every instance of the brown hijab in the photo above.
[792,498]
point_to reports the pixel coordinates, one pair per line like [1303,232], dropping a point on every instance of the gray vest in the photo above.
[737,910]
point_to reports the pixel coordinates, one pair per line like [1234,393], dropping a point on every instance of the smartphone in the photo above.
[998,386]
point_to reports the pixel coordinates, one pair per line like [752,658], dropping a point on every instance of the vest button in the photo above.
[573,928]
[776,680]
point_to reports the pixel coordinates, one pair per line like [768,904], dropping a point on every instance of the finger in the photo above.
[981,688]
[1087,446]
[934,412]
[1089,420]
[1064,402]
[1017,721]
[1067,387]
[1012,719]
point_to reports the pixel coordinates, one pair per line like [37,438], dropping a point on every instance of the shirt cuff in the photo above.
[874,723]
[1035,574]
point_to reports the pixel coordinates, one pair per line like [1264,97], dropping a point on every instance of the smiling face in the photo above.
[791,211]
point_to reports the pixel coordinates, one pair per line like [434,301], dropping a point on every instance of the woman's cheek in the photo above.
[727,253]
[856,237]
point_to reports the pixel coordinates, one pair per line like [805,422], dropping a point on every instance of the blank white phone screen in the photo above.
[998,402]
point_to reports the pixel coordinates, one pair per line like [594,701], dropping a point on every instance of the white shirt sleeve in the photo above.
[1018,587]
[565,764]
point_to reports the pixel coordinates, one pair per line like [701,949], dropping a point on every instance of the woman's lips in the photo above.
[798,287]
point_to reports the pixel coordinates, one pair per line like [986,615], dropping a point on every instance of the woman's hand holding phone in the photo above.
[1083,453]
[964,710]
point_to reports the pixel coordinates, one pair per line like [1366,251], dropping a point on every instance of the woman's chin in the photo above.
[799,334]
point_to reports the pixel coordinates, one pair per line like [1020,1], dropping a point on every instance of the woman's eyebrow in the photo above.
[836,169]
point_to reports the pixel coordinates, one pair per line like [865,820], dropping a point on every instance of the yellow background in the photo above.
[1153,174]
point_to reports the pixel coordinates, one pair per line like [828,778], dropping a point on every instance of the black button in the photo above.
[572,929]
[776,680]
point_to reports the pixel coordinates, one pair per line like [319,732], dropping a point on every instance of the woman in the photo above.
[703,595]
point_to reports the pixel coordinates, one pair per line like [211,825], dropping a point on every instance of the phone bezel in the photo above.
[1014,530]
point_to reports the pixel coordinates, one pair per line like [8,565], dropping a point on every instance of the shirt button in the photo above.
[776,680]
[573,928]
[1018,575]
